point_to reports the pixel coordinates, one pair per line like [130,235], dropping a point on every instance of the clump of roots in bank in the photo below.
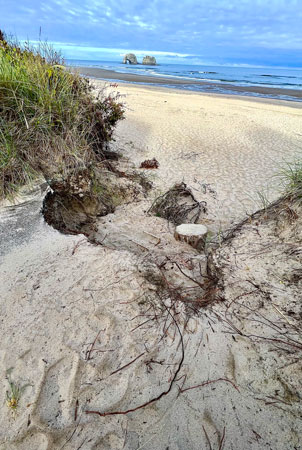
[178,205]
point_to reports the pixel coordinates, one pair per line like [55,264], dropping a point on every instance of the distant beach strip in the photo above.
[192,84]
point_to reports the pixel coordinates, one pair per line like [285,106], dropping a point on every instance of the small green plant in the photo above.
[14,393]
[263,199]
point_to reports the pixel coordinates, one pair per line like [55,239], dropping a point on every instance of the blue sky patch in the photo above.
[244,32]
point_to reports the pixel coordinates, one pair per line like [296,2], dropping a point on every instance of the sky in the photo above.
[211,32]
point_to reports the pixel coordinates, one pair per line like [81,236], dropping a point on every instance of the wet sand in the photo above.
[176,82]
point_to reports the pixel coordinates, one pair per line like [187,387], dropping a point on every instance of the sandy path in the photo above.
[235,144]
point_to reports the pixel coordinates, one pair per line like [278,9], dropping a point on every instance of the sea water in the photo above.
[280,78]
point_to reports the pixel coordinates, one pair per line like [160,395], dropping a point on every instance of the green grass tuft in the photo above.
[291,177]
[13,395]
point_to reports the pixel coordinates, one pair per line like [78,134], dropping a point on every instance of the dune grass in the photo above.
[50,121]
[291,176]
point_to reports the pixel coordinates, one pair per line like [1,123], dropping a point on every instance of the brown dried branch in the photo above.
[77,245]
[205,383]
[126,365]
[188,276]
[222,440]
[141,324]
[76,410]
[209,442]
[88,352]
[293,342]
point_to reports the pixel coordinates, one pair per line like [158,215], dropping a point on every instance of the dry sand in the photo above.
[72,312]
[235,144]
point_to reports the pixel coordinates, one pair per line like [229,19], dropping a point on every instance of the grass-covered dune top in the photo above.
[50,121]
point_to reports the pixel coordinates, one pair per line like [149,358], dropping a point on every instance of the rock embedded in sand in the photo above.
[130,58]
[149,61]
[191,233]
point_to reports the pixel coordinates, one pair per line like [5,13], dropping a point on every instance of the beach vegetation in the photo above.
[291,178]
[14,393]
[51,121]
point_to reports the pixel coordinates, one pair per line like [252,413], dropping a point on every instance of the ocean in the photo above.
[280,78]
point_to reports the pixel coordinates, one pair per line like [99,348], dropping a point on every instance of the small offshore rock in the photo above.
[130,58]
[149,61]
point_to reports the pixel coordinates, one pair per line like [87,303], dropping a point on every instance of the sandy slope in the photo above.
[72,313]
[235,144]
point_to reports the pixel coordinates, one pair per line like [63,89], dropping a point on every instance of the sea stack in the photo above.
[149,61]
[130,58]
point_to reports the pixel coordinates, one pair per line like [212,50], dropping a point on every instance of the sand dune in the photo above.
[235,144]
[81,326]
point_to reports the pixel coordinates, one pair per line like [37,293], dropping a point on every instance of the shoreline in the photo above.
[128,86]
[188,85]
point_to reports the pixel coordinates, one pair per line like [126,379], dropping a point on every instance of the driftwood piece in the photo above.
[193,234]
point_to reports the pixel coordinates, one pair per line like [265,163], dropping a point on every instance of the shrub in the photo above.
[50,120]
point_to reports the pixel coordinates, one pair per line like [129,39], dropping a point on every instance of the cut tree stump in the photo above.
[193,234]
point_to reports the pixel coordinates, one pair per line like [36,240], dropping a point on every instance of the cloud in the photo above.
[72,51]
[225,31]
